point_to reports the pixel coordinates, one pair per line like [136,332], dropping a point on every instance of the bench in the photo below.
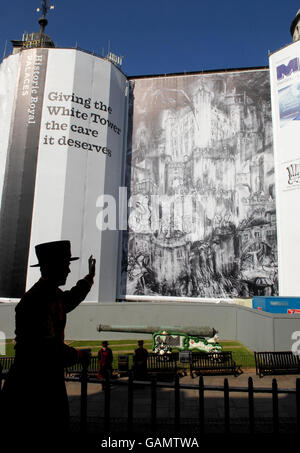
[92,370]
[282,362]
[162,366]
[76,369]
[213,363]
[6,362]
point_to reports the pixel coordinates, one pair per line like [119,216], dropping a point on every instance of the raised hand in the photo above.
[92,265]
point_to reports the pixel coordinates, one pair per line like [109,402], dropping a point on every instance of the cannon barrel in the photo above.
[197,331]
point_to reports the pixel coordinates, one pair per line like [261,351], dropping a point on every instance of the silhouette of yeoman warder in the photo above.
[36,393]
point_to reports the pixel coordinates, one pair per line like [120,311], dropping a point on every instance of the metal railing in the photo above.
[154,385]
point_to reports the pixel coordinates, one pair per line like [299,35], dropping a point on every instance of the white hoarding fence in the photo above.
[2,343]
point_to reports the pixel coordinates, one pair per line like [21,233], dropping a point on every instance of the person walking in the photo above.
[140,361]
[105,359]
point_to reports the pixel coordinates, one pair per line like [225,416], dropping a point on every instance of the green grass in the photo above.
[117,346]
[9,348]
[112,343]
[76,344]
[242,355]
[227,343]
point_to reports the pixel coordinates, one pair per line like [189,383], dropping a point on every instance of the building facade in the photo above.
[194,153]
[63,120]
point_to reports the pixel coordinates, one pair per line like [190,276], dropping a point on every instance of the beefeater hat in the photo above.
[53,252]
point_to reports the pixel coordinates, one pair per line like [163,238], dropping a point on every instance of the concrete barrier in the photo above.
[257,330]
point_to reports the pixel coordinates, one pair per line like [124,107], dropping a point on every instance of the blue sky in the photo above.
[161,36]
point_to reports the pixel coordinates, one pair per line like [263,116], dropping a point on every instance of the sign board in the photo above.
[285,92]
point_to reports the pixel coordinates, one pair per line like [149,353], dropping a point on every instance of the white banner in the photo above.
[80,158]
[20,170]
[8,77]
[285,91]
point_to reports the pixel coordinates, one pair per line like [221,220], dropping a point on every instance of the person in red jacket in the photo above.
[35,396]
[105,359]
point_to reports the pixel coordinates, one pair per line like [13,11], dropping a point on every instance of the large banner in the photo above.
[20,169]
[80,160]
[285,90]
[8,82]
[67,138]
[200,178]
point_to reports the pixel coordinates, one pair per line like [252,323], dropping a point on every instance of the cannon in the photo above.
[165,339]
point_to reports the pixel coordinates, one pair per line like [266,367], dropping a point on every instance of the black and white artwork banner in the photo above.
[200,179]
